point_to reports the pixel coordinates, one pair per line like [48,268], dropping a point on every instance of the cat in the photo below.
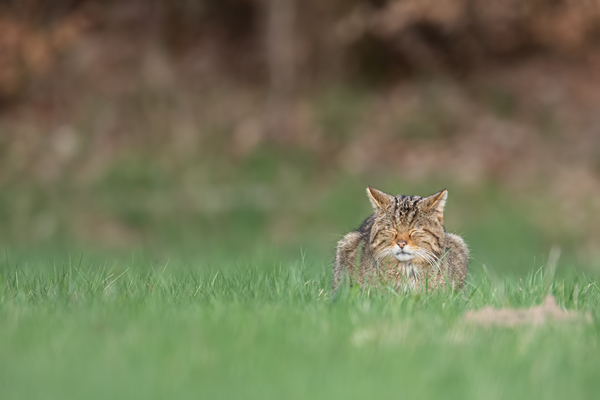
[403,245]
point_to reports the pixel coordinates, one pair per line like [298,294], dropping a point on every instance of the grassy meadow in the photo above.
[235,302]
[174,177]
[131,329]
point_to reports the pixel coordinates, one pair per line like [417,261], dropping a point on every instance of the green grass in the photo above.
[262,330]
[244,308]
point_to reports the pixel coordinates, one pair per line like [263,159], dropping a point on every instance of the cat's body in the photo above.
[403,245]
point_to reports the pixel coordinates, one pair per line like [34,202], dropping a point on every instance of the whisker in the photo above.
[424,253]
[425,257]
[431,254]
[432,259]
[382,254]
[436,258]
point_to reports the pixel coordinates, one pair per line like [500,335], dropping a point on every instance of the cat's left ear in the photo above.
[435,204]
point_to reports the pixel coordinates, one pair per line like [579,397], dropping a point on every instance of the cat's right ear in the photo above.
[379,199]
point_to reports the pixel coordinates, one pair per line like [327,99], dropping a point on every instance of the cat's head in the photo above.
[408,227]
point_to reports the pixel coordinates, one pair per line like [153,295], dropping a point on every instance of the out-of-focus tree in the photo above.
[282,44]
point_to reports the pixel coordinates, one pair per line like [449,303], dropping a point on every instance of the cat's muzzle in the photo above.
[403,254]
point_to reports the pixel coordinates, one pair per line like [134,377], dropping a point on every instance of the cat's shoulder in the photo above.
[453,240]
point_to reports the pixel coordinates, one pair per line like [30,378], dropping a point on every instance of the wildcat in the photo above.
[403,244]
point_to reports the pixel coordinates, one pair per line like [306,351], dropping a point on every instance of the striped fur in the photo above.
[402,227]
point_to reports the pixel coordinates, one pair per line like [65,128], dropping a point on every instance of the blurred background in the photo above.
[233,132]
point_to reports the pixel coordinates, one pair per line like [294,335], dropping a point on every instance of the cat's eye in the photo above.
[415,232]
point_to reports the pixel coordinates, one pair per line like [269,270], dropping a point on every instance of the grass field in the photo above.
[167,231]
[225,293]
[78,328]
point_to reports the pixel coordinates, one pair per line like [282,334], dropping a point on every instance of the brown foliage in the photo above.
[382,38]
[31,42]
[462,34]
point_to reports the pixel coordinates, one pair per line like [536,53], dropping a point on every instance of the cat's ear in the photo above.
[435,204]
[379,199]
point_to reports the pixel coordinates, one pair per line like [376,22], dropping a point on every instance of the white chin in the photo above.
[404,256]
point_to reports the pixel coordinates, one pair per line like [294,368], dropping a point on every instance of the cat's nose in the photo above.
[401,243]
